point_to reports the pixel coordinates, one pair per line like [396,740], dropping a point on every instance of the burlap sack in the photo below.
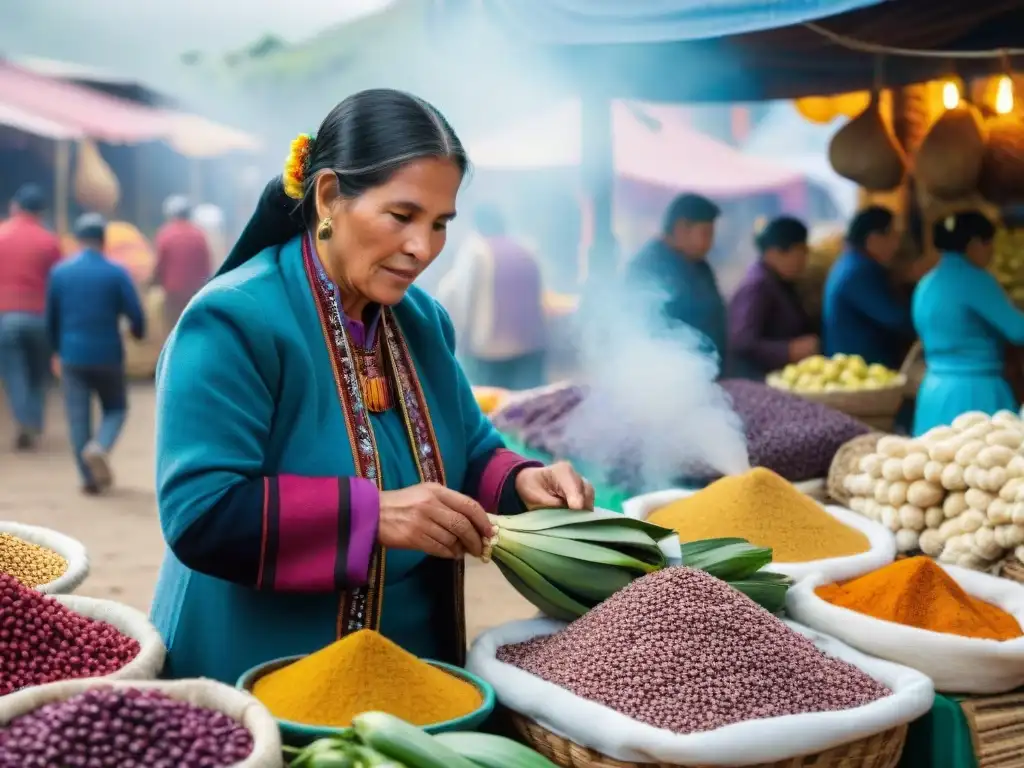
[72,550]
[266,752]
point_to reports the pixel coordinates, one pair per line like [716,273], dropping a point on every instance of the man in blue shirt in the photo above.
[86,299]
[862,313]
[673,270]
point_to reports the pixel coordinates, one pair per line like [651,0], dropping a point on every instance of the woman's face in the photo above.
[384,239]
[980,252]
[791,262]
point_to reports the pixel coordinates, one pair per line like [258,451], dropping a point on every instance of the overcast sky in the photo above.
[151,34]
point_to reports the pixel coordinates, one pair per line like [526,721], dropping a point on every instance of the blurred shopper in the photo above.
[673,269]
[495,296]
[183,261]
[28,253]
[965,321]
[88,296]
[210,218]
[768,325]
[862,312]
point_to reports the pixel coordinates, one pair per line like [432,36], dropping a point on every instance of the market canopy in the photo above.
[95,114]
[724,63]
[47,105]
[26,122]
[652,145]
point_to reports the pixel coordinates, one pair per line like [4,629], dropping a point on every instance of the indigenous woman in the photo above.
[322,465]
[965,321]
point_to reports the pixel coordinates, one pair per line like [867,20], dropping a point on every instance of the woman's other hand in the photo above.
[554,487]
[433,519]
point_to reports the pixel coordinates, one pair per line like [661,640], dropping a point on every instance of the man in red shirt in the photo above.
[28,252]
[183,262]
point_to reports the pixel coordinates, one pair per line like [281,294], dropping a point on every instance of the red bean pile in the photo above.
[42,641]
[123,728]
[681,650]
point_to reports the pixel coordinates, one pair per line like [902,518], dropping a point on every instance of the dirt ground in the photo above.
[121,531]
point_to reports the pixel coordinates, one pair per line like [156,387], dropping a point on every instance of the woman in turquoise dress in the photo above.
[322,464]
[965,321]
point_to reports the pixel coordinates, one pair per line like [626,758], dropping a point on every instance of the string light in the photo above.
[1004,96]
[950,95]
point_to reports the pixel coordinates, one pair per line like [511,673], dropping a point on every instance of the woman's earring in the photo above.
[324,230]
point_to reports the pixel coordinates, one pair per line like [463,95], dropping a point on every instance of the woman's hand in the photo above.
[555,487]
[433,519]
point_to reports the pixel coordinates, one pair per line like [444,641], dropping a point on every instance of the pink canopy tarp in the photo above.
[653,145]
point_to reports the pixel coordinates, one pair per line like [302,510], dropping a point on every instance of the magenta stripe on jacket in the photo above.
[491,481]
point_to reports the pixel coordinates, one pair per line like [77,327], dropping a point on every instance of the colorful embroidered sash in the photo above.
[361,607]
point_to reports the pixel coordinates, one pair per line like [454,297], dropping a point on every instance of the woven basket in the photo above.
[70,549]
[882,750]
[1012,569]
[997,729]
[875,407]
[913,370]
[845,462]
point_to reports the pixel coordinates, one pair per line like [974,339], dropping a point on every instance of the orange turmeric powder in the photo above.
[364,672]
[918,593]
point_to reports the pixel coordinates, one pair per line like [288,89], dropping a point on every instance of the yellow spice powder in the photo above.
[767,511]
[364,672]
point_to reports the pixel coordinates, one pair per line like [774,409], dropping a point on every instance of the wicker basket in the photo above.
[875,407]
[845,462]
[882,750]
[913,370]
[1012,569]
[997,729]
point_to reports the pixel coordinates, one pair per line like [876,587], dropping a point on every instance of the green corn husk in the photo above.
[566,562]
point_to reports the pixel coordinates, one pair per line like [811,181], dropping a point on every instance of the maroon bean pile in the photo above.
[123,728]
[42,641]
[681,650]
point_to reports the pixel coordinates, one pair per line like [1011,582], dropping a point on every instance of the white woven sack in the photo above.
[955,664]
[72,550]
[266,752]
[596,726]
[149,662]
[881,552]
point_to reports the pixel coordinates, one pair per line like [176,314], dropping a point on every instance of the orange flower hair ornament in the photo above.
[297,165]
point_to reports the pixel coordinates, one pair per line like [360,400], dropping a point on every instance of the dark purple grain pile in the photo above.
[791,436]
[123,728]
[681,650]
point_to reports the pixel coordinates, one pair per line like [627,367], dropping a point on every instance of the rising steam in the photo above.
[652,396]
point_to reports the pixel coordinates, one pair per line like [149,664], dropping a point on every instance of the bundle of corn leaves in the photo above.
[566,562]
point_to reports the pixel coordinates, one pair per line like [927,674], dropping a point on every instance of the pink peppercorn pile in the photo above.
[42,641]
[681,650]
[123,728]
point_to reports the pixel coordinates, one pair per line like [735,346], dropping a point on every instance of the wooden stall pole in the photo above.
[598,176]
[61,184]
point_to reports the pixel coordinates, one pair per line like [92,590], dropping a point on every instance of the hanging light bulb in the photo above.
[950,95]
[1004,96]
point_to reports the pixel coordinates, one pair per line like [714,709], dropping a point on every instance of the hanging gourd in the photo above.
[1002,169]
[865,150]
[948,162]
[96,187]
[817,109]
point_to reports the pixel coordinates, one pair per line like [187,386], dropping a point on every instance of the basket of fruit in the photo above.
[871,393]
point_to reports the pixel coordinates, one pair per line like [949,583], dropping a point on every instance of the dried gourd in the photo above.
[1002,169]
[866,152]
[948,162]
[95,184]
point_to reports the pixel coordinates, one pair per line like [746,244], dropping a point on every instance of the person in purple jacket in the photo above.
[768,325]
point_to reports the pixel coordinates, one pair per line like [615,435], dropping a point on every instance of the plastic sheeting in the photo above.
[573,22]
